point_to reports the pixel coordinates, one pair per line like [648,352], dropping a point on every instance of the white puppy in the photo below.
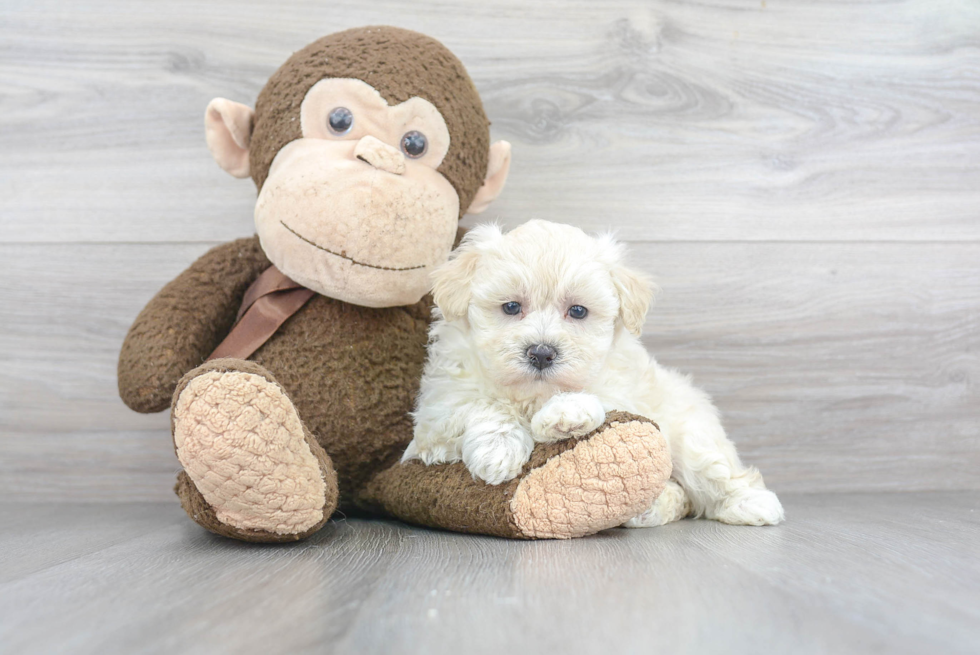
[537,339]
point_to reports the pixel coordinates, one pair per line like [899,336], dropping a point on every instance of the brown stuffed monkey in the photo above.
[291,360]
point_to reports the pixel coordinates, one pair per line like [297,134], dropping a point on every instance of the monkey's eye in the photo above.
[577,311]
[340,120]
[511,308]
[414,144]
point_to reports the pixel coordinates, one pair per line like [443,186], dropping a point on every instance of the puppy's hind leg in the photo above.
[672,505]
[706,464]
[747,502]
[719,486]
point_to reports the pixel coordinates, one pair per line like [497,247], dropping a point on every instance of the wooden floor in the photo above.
[893,573]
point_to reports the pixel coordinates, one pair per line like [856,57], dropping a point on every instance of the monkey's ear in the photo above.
[498,165]
[636,290]
[228,130]
[451,281]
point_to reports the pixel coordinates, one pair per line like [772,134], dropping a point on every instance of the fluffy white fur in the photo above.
[482,401]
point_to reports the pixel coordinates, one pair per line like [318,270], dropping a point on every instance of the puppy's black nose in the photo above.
[541,356]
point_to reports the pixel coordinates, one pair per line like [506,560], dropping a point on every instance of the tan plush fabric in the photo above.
[374,116]
[380,155]
[355,232]
[598,484]
[242,443]
[203,514]
[228,130]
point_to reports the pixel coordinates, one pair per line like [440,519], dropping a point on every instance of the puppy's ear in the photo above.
[636,290]
[451,284]
[451,281]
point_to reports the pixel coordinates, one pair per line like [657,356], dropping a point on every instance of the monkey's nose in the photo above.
[380,155]
[541,356]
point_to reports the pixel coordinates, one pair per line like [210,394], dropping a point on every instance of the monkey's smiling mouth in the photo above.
[350,259]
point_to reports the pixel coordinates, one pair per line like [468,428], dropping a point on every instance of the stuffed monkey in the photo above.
[291,360]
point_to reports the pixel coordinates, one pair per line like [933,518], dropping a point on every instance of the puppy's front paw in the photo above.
[497,457]
[430,452]
[567,415]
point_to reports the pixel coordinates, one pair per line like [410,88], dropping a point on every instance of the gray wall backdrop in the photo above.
[803,178]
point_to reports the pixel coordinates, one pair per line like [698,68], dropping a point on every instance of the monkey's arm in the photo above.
[185,322]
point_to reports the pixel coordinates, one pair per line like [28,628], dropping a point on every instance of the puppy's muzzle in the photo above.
[541,356]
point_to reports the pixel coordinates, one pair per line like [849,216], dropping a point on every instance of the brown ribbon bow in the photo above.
[267,304]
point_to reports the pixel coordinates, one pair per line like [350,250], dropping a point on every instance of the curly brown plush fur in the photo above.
[184,323]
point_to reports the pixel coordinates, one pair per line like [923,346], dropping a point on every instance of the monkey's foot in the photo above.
[251,469]
[570,488]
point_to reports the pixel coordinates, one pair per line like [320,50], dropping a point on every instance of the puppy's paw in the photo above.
[498,456]
[672,505]
[432,452]
[750,507]
[567,415]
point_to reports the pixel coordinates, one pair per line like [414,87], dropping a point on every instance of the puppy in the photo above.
[536,337]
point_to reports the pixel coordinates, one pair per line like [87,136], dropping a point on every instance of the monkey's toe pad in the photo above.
[599,483]
[242,444]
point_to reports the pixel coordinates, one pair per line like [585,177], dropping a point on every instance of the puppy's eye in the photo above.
[511,308]
[340,120]
[414,144]
[577,311]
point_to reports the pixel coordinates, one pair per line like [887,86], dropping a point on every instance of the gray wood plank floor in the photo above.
[848,573]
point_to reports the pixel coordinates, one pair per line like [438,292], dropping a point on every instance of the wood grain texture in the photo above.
[722,119]
[836,366]
[848,573]
[802,176]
